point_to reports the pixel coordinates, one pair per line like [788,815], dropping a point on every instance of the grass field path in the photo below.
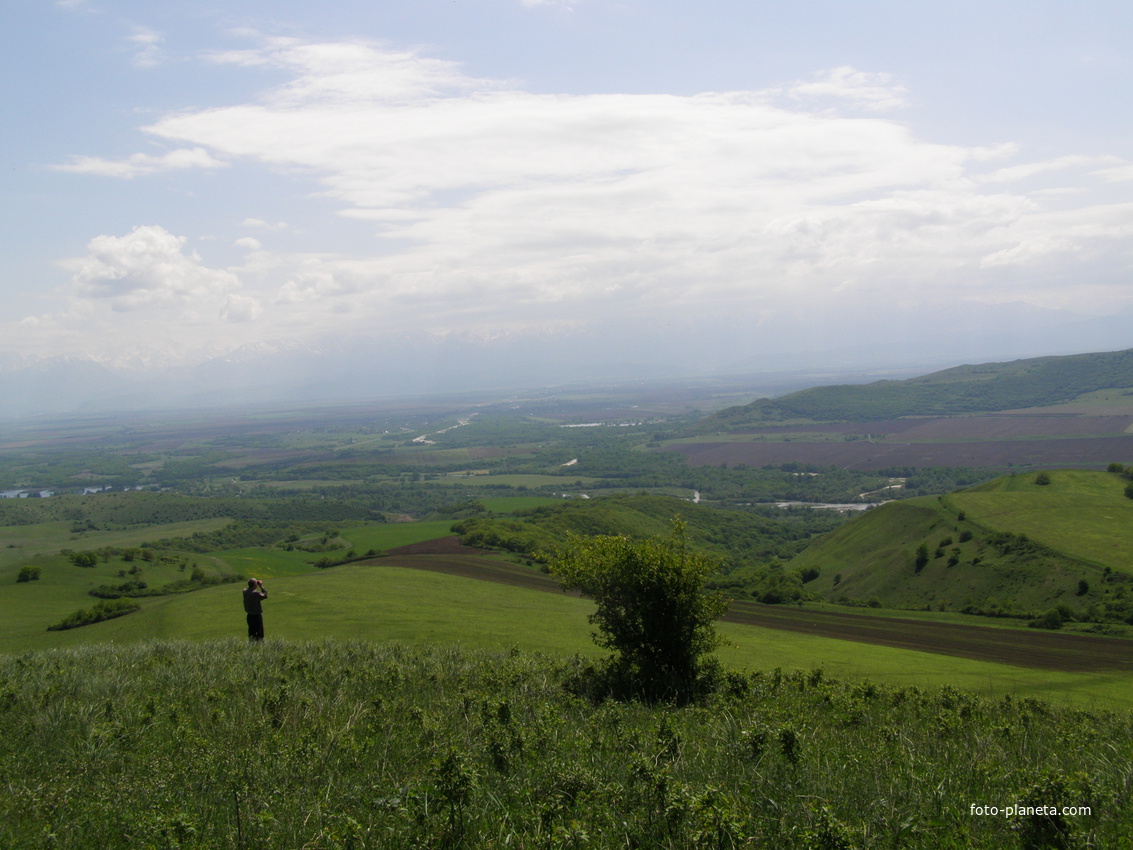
[1043,650]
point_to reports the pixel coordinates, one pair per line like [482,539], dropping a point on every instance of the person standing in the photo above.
[254,596]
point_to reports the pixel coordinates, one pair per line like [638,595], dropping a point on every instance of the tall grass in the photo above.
[354,744]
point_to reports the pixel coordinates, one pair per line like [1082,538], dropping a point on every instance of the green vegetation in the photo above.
[101,611]
[1036,382]
[744,537]
[352,744]
[1021,548]
[652,610]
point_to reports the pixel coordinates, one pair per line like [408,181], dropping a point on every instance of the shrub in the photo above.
[652,608]
[28,574]
[102,611]
[84,559]
[1042,478]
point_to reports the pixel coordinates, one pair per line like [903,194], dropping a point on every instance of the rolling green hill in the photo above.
[1035,382]
[1011,546]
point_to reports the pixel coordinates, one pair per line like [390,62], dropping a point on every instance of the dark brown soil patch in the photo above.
[1044,650]
[1069,653]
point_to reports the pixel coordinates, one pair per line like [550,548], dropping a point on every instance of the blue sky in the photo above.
[740,179]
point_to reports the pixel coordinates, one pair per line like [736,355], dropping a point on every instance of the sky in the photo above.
[507,185]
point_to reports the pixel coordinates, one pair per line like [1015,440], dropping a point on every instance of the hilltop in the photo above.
[983,388]
[1010,547]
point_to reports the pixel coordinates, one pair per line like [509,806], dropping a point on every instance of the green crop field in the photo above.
[380,537]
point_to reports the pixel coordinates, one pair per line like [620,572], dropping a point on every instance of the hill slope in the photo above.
[987,387]
[1011,546]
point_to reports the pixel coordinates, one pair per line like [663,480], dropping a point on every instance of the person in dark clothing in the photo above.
[254,595]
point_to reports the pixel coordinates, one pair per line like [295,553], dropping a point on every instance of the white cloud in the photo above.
[147,270]
[141,164]
[502,209]
[871,91]
[1015,173]
[148,44]
[240,308]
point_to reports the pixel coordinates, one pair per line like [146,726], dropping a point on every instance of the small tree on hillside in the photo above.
[652,608]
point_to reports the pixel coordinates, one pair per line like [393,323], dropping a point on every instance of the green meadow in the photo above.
[376,603]
[1078,512]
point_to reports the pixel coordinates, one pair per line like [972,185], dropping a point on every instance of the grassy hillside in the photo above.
[1035,382]
[1011,546]
[379,603]
[353,744]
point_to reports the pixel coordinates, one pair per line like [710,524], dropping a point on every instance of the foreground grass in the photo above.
[355,744]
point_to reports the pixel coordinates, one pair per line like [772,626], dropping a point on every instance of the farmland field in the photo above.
[1054,437]
[864,454]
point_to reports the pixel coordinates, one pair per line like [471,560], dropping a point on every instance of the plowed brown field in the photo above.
[1069,653]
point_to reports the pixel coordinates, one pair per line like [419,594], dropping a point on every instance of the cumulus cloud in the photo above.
[141,164]
[147,270]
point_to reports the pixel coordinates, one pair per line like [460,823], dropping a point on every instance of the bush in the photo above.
[652,608]
[28,574]
[102,611]
[84,559]
[1042,478]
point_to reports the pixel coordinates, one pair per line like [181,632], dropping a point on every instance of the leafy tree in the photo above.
[1042,478]
[84,559]
[652,608]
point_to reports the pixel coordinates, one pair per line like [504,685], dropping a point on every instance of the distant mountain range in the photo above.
[1035,382]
